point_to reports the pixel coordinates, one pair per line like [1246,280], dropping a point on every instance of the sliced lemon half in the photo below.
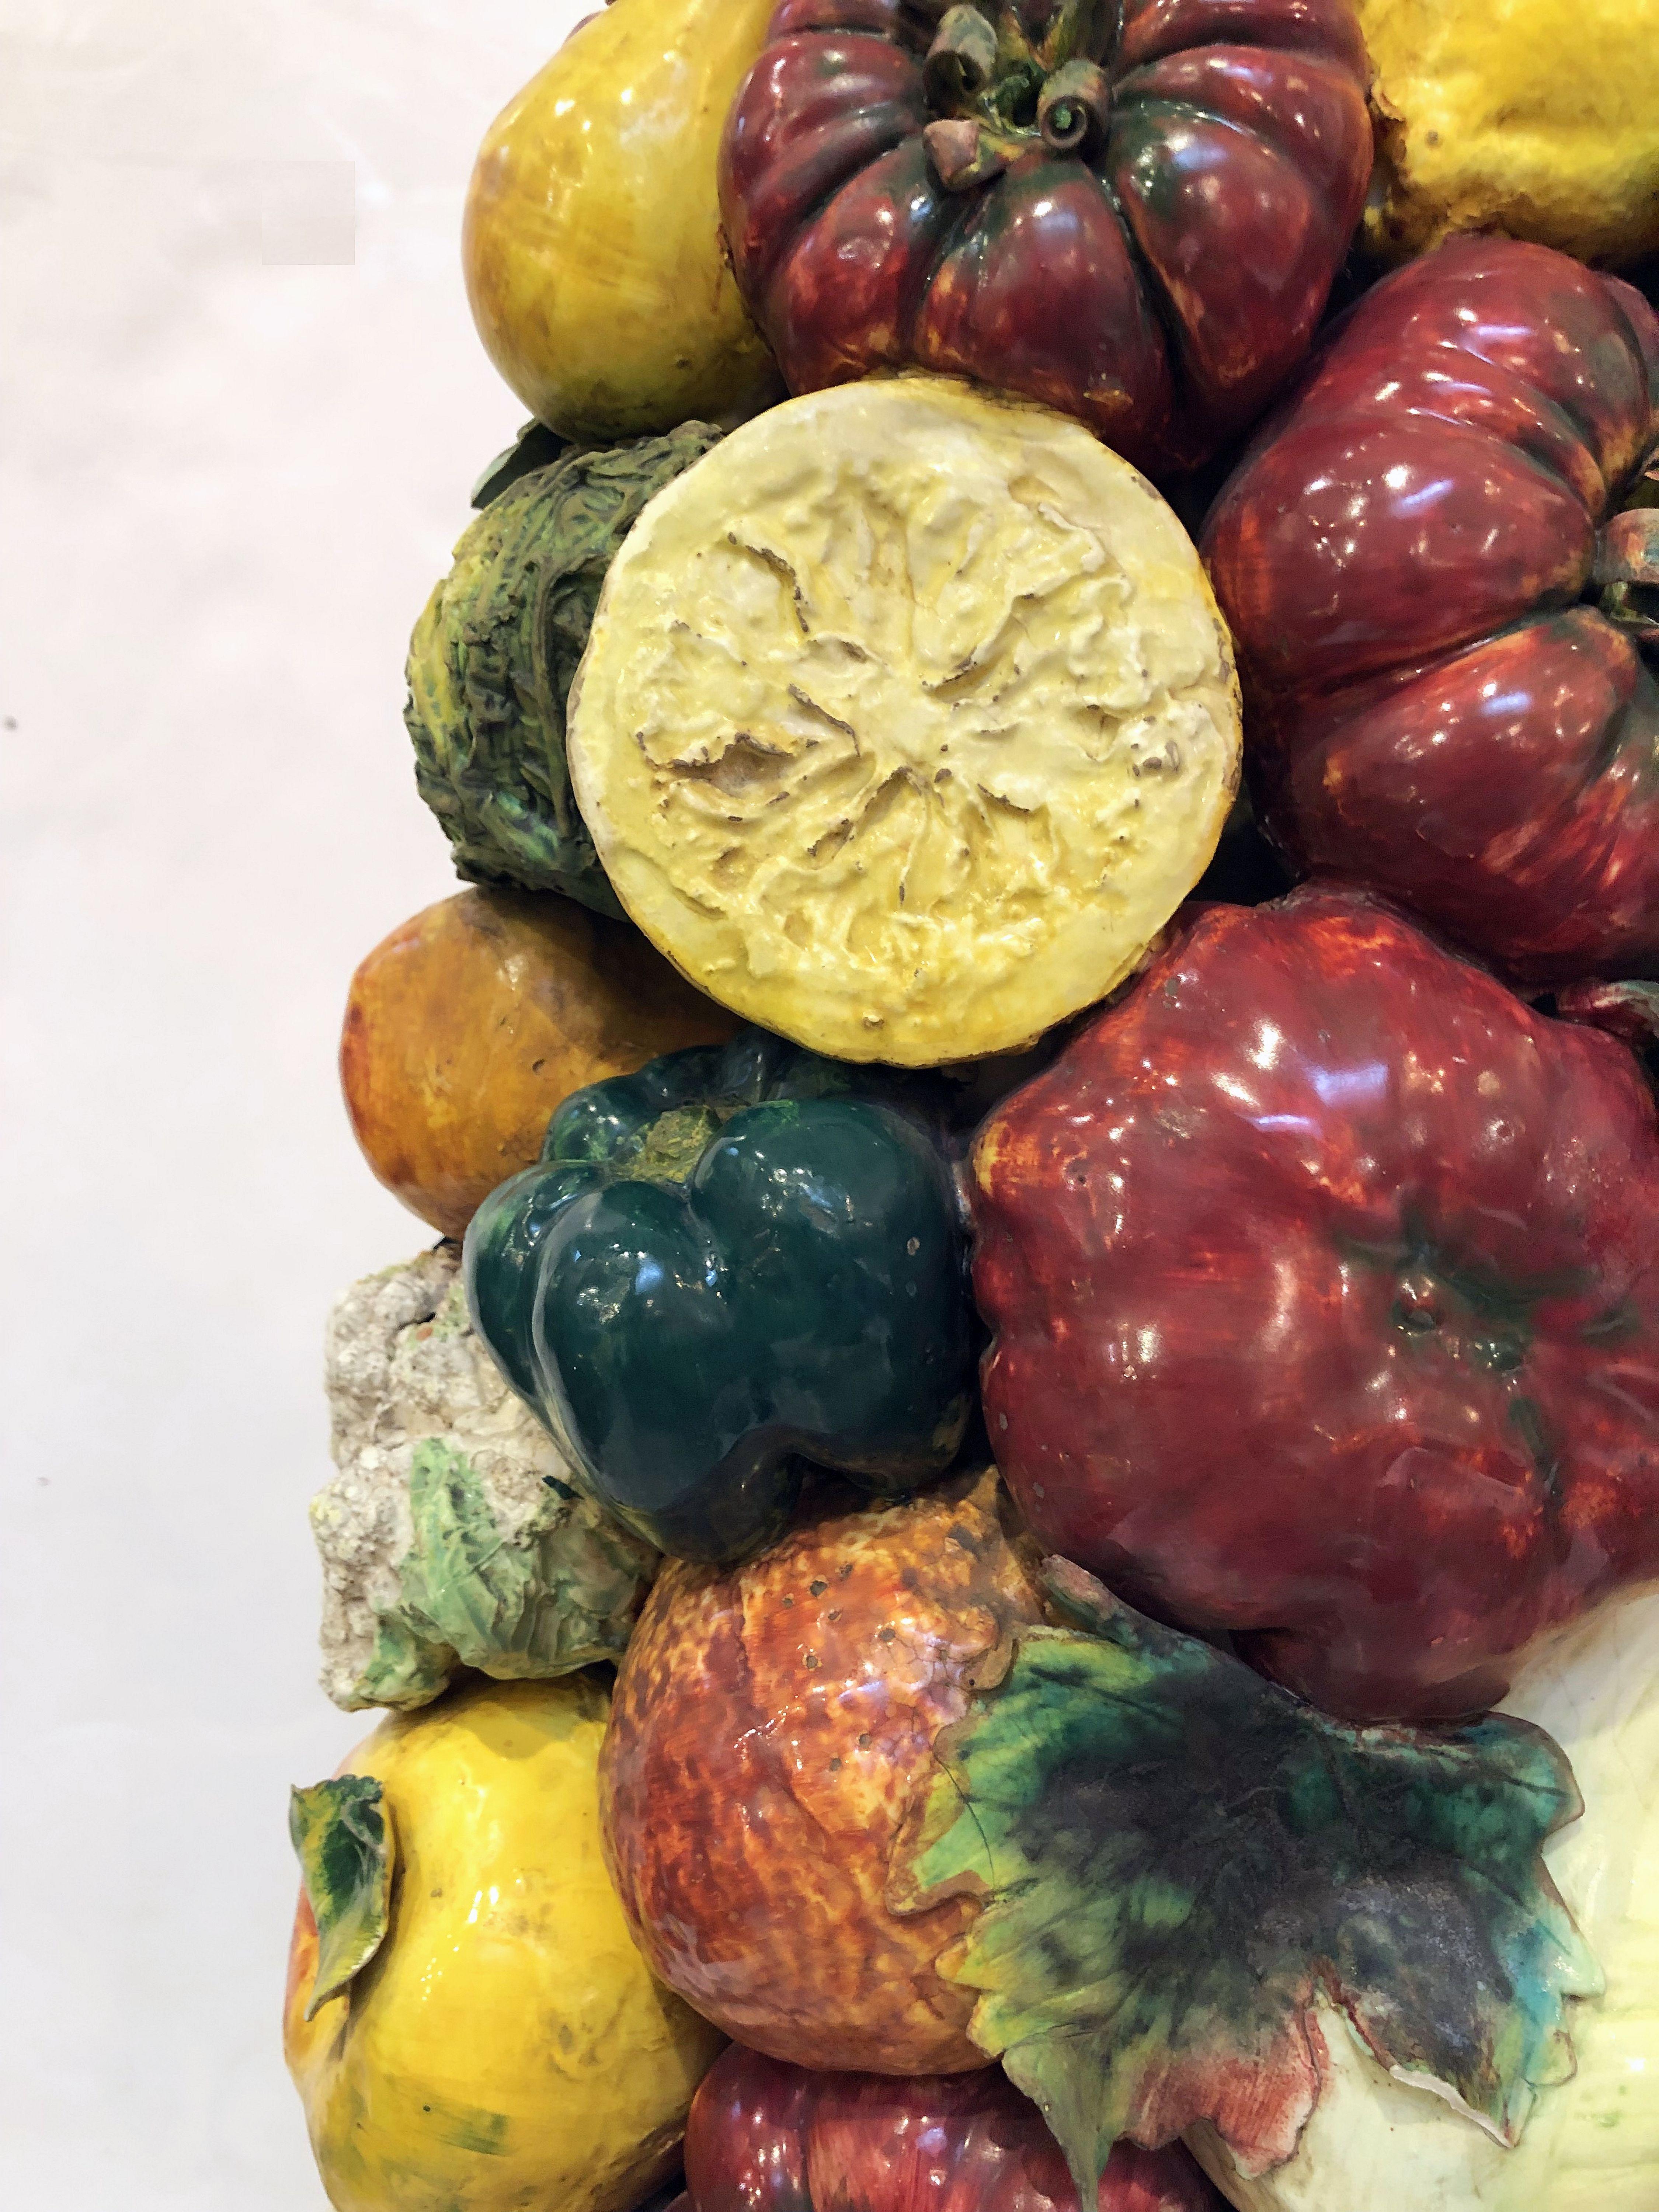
[907,721]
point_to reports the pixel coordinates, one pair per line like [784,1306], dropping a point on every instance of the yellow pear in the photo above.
[594,262]
[468,2021]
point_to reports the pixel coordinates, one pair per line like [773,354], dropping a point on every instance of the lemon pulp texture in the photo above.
[907,721]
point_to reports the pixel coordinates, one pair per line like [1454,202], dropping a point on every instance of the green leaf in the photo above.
[344,1841]
[558,1595]
[1179,1857]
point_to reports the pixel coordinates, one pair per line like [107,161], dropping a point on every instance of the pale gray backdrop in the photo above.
[241,407]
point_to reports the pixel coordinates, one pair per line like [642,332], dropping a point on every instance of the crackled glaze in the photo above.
[771,1727]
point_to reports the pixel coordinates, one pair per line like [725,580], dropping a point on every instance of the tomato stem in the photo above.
[1627,567]
[961,62]
[1075,109]
[1034,75]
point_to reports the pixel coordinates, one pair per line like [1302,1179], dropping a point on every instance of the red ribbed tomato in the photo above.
[1325,1279]
[1130,208]
[764,2136]
[1445,621]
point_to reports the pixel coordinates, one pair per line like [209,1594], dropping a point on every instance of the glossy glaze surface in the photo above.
[1153,257]
[727,1266]
[771,1728]
[592,240]
[1431,710]
[468,1025]
[504,2046]
[1175,1859]
[1326,1285]
[1593,2143]
[767,2137]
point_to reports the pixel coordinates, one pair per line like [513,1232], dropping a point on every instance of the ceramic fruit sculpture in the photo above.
[1132,212]
[906,722]
[471,1023]
[764,2136]
[1536,119]
[727,1267]
[773,1725]
[454,1535]
[592,242]
[886,1041]
[492,657]
[1315,1170]
[467,2019]
[1441,565]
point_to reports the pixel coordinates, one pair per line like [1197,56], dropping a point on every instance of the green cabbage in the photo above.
[496,650]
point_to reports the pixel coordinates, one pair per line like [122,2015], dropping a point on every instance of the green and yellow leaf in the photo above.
[1179,1858]
[344,1840]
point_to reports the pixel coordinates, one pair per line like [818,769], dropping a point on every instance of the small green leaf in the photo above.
[1179,1857]
[559,1595]
[344,1840]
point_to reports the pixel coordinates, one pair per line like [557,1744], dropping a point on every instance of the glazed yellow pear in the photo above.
[594,262]
[468,2021]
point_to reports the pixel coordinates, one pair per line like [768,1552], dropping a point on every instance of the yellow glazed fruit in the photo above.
[1538,117]
[591,245]
[907,721]
[505,2046]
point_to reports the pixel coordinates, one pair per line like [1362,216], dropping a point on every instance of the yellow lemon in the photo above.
[1536,118]
[496,2041]
[593,249]
[907,721]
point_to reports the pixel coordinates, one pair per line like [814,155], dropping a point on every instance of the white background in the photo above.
[240,408]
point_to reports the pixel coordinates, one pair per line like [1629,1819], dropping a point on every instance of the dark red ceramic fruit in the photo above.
[1325,1279]
[1440,567]
[764,2136]
[1132,209]
[773,1725]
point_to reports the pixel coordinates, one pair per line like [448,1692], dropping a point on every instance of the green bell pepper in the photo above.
[739,1262]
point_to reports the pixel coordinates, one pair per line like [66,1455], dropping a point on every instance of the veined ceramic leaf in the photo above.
[556,1596]
[1180,1858]
[451,1536]
[344,1840]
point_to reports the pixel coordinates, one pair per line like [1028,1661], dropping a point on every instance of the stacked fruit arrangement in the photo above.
[1026,1479]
